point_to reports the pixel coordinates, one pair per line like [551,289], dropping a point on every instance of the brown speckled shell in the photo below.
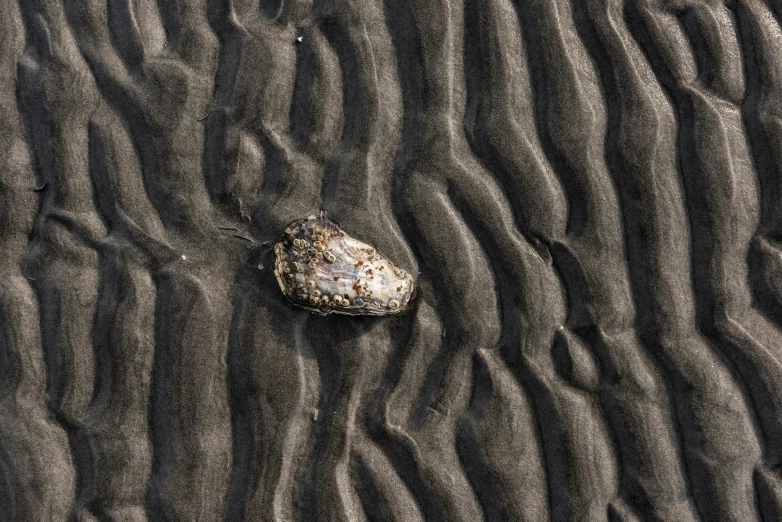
[321,268]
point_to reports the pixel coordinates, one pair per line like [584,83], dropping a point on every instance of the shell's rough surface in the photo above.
[322,268]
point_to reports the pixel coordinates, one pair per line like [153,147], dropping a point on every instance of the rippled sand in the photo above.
[588,193]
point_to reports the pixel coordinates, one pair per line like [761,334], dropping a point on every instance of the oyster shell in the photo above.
[321,268]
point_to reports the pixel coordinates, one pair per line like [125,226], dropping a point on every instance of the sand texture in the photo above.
[589,193]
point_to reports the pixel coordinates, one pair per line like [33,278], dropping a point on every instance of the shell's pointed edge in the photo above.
[321,268]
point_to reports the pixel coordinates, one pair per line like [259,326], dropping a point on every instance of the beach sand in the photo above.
[586,192]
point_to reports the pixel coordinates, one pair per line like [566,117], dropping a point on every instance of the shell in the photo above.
[321,268]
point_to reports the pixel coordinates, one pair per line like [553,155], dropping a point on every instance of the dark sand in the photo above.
[587,190]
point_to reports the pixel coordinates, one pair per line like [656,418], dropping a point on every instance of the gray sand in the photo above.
[588,192]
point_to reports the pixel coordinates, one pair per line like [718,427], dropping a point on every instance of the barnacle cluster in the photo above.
[320,267]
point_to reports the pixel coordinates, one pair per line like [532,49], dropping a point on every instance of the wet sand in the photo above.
[587,192]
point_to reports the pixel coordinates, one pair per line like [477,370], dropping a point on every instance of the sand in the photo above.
[587,192]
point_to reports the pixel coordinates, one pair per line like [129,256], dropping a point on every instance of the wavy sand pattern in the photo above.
[589,191]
